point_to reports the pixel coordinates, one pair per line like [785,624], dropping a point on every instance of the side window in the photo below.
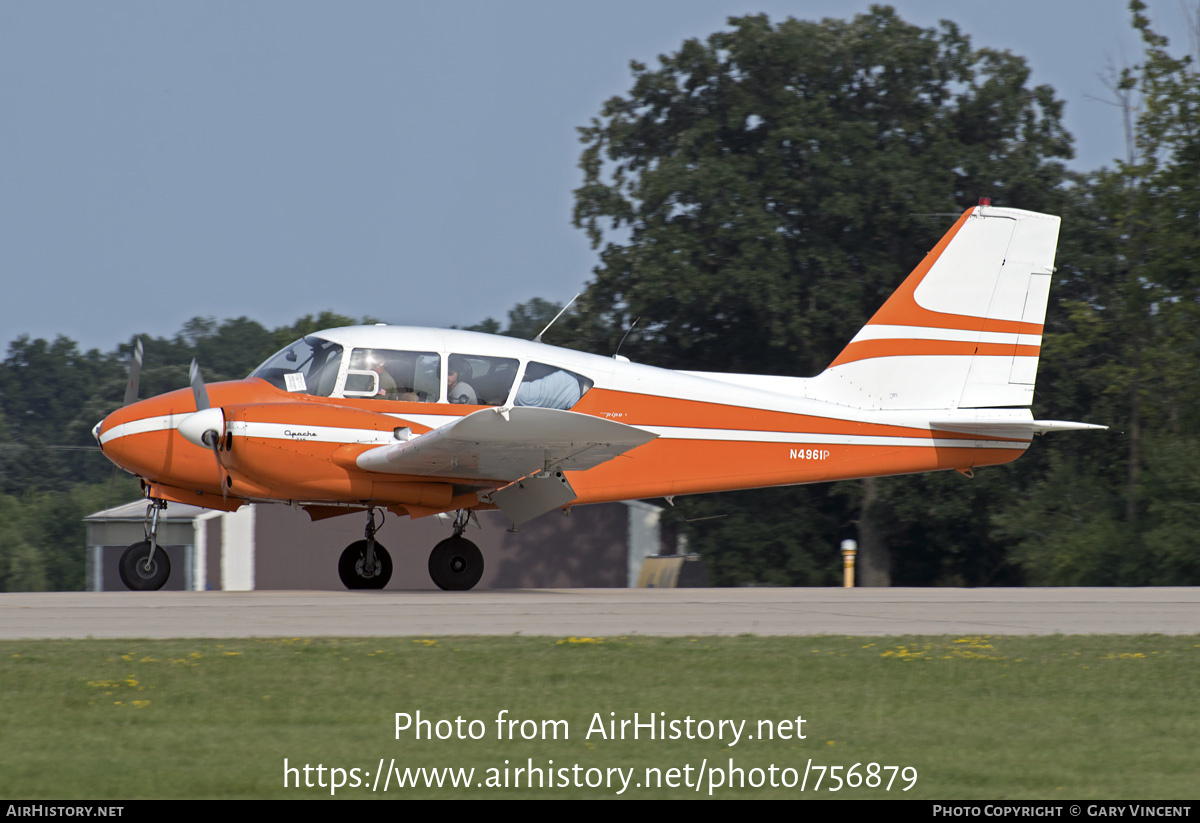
[407,376]
[551,387]
[478,380]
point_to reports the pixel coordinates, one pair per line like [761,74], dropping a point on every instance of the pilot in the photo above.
[457,389]
[556,390]
[387,385]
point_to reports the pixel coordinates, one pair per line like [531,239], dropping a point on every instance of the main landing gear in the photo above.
[455,564]
[145,567]
[365,564]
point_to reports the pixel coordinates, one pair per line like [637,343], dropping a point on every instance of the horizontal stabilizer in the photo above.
[1010,428]
[506,444]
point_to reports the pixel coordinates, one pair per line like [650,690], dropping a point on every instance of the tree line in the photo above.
[753,199]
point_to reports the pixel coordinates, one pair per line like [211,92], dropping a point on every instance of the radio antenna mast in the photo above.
[538,339]
[617,353]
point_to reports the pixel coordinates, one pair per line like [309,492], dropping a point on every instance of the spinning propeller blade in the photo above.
[206,426]
[135,373]
[198,389]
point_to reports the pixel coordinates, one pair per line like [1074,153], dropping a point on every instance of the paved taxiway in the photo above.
[601,612]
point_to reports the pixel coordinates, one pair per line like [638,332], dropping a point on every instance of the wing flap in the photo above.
[506,444]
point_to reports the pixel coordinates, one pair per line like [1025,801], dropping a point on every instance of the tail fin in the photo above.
[964,330]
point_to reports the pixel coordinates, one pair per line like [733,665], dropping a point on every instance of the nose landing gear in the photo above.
[144,567]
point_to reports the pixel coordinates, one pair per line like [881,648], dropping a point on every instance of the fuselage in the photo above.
[295,439]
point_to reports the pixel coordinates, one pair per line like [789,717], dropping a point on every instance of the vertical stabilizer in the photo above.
[964,330]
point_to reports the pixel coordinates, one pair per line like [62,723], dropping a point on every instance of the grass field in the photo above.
[1093,717]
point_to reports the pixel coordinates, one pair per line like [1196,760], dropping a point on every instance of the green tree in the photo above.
[759,194]
[1120,510]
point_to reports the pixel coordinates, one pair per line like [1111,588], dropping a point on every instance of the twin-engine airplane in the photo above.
[425,421]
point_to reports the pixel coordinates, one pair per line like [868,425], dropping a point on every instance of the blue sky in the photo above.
[408,160]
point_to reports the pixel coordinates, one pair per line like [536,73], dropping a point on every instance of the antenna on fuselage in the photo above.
[538,339]
[671,502]
[617,353]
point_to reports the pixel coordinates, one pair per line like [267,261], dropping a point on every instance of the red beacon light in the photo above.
[985,201]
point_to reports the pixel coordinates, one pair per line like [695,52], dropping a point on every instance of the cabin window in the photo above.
[479,380]
[308,366]
[551,387]
[383,374]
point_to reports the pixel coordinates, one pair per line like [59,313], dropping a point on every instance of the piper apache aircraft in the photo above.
[421,421]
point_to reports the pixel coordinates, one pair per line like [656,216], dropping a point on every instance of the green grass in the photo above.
[999,717]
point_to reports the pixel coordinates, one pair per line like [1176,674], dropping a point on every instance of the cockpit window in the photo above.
[411,376]
[308,366]
[551,387]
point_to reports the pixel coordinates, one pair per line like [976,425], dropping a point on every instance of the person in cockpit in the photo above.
[458,371]
[548,388]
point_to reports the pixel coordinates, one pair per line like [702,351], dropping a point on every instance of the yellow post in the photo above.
[849,549]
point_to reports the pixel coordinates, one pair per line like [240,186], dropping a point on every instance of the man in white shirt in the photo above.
[557,390]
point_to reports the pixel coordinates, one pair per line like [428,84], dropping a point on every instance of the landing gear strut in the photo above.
[144,567]
[456,564]
[365,564]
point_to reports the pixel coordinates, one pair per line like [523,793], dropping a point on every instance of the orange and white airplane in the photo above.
[428,421]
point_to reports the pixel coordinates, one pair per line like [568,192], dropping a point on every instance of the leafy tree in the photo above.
[777,181]
[759,194]
[1118,510]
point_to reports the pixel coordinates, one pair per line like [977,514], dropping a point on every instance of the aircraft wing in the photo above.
[507,444]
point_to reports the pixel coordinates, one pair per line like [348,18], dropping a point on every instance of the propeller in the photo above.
[206,425]
[131,393]
[198,390]
[135,372]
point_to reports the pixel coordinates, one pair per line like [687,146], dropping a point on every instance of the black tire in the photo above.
[350,567]
[456,564]
[134,573]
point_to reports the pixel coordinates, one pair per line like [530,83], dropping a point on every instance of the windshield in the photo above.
[308,366]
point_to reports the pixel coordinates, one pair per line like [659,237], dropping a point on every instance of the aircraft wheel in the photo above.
[136,575]
[352,567]
[456,564]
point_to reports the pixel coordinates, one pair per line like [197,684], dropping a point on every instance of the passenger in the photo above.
[457,389]
[557,390]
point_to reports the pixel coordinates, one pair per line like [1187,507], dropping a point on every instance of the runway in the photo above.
[601,612]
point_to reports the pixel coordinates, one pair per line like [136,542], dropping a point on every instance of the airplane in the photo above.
[422,422]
